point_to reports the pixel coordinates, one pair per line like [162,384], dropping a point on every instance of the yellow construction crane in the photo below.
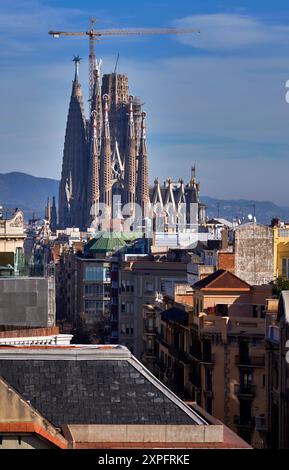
[92,34]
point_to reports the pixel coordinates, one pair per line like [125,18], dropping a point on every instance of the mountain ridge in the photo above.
[29,193]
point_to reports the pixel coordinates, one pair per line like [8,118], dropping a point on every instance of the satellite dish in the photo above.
[250,217]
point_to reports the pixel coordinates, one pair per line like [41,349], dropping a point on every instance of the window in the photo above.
[93,306]
[244,351]
[127,286]
[150,325]
[285,267]
[122,308]
[91,290]
[255,311]
[129,328]
[106,292]
[246,380]
[222,310]
[209,379]
[95,273]
[149,288]
[129,307]
[245,411]
[263,311]
[209,405]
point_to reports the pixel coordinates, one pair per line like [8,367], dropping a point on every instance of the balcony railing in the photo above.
[208,359]
[149,354]
[205,358]
[245,390]
[261,424]
[244,421]
[250,361]
[162,340]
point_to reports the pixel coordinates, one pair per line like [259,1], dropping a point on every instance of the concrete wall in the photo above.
[148,433]
[254,253]
[27,301]
[23,442]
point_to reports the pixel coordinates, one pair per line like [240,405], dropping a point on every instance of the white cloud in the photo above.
[224,31]
[227,113]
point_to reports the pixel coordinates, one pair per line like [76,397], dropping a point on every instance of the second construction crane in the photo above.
[92,34]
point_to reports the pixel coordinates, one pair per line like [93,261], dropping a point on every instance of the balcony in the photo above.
[244,421]
[195,354]
[195,380]
[261,424]
[248,391]
[150,331]
[208,359]
[273,334]
[205,358]
[149,354]
[250,361]
[179,354]
[162,340]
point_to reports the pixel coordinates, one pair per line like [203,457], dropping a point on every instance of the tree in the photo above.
[279,285]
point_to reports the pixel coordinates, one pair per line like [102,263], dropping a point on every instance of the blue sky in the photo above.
[216,99]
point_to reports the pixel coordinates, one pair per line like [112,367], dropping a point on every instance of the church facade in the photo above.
[105,162]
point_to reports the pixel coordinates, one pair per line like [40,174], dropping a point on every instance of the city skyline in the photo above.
[238,64]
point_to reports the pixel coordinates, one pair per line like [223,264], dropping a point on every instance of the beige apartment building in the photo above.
[12,238]
[214,352]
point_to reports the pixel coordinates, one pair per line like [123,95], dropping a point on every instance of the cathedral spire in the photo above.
[142,172]
[130,163]
[96,104]
[72,209]
[48,210]
[76,59]
[53,222]
[105,158]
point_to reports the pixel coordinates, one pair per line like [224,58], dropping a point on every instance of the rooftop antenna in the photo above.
[116,63]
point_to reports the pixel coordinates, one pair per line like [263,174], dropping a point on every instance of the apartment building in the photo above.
[141,281]
[214,352]
[275,423]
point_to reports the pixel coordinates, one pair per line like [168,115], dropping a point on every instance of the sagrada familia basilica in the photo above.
[105,160]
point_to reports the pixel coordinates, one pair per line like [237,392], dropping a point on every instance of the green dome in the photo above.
[106,242]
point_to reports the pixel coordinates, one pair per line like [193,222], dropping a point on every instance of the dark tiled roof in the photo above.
[207,280]
[91,392]
[175,314]
[221,279]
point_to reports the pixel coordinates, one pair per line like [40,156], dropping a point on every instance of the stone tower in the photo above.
[130,162]
[105,160]
[142,189]
[94,148]
[101,155]
[73,184]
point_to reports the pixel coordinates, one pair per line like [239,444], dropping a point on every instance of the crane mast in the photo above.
[91,59]
[92,34]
